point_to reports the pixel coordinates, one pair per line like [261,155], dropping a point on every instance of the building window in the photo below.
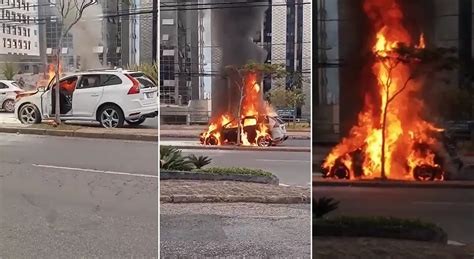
[9,29]
[168,22]
[28,19]
[20,46]
[3,13]
[14,15]
[7,14]
[36,32]
[9,43]
[19,31]
[4,41]
[28,32]
[165,37]
[24,18]
[14,44]
[14,30]
[27,6]
[36,44]
[29,44]
[4,26]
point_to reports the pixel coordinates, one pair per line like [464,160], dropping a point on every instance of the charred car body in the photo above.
[227,134]
[446,158]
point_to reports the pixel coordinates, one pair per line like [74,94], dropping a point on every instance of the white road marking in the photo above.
[94,171]
[283,160]
[455,243]
[444,203]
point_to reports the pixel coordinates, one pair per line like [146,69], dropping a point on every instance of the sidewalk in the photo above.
[66,130]
[375,248]
[185,191]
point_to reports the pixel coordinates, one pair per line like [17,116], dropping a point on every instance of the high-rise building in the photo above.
[179,53]
[19,31]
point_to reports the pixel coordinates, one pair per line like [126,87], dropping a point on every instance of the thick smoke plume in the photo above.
[87,34]
[234,30]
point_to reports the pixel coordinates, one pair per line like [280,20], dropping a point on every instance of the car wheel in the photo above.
[110,116]
[264,141]
[136,122]
[424,173]
[211,140]
[29,114]
[9,105]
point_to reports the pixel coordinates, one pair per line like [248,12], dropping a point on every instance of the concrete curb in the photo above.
[180,175]
[233,198]
[284,149]
[394,184]
[167,135]
[80,134]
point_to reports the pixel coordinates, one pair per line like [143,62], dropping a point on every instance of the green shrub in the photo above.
[199,161]
[172,159]
[9,70]
[323,206]
[149,69]
[235,171]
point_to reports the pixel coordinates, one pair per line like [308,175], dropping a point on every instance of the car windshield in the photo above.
[145,80]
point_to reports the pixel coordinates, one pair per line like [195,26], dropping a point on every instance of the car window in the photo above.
[89,81]
[3,86]
[145,83]
[68,84]
[16,84]
[110,80]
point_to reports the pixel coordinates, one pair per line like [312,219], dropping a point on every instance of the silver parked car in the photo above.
[8,92]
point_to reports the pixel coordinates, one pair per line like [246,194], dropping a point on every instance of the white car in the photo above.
[8,92]
[111,97]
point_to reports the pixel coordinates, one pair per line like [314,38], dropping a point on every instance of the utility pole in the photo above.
[155,31]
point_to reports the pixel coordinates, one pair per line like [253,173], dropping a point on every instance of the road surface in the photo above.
[5,117]
[195,142]
[77,198]
[292,168]
[235,230]
[451,209]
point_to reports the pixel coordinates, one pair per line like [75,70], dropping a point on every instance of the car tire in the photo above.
[111,116]
[212,141]
[29,114]
[9,105]
[264,141]
[136,122]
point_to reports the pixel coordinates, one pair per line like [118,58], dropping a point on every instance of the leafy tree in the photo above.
[149,69]
[262,69]
[283,98]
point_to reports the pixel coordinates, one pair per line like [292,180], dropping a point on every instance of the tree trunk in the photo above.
[294,116]
[384,126]
[239,125]
[57,111]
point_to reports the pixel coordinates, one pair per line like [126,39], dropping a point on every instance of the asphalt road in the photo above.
[195,141]
[451,209]
[292,168]
[77,198]
[235,230]
[150,123]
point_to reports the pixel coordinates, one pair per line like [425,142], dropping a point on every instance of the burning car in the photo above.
[262,131]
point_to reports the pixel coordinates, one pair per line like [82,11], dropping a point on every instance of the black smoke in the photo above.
[233,28]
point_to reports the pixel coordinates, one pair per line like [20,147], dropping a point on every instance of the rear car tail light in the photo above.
[135,89]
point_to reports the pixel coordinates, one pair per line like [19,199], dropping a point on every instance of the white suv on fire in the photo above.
[110,97]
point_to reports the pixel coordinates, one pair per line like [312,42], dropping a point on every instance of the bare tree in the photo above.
[422,63]
[274,70]
[70,13]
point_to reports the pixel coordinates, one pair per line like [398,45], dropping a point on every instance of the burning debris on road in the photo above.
[391,139]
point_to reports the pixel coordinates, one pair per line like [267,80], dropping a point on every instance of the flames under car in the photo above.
[421,172]
[227,134]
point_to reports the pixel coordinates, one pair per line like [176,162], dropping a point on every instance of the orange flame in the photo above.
[404,128]
[252,108]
